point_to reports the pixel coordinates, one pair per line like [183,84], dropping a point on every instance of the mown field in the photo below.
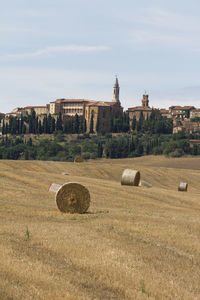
[134,242]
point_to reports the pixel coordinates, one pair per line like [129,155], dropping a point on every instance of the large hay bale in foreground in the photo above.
[183,186]
[130,177]
[73,197]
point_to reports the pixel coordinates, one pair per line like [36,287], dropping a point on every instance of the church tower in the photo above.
[116,91]
[145,100]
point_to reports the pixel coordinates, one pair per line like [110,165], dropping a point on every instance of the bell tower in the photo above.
[116,91]
[145,100]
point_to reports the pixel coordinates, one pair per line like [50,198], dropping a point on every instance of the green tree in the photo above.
[59,123]
[99,149]
[134,122]
[3,128]
[92,124]
[76,124]
[98,124]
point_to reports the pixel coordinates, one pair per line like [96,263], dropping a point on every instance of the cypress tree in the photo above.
[20,125]
[65,129]
[39,127]
[45,125]
[92,124]
[59,122]
[76,124]
[99,149]
[24,128]
[26,155]
[81,125]
[52,125]
[36,125]
[3,128]
[97,124]
[134,122]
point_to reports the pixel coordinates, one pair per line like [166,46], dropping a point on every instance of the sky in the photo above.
[74,49]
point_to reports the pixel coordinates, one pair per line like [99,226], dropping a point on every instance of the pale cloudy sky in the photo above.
[73,49]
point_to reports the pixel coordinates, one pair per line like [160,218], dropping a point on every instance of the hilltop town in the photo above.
[95,116]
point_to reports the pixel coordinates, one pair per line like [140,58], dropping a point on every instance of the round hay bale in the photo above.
[183,186]
[78,159]
[73,197]
[130,177]
[65,173]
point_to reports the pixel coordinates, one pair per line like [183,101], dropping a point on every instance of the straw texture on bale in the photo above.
[73,197]
[78,159]
[130,177]
[183,186]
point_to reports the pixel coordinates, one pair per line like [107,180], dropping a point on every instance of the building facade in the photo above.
[181,112]
[99,111]
[135,112]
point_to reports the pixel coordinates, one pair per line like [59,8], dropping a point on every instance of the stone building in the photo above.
[184,125]
[137,110]
[27,110]
[98,110]
[181,112]
[165,113]
[39,110]
[195,113]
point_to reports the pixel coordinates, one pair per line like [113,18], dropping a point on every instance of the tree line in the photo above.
[31,124]
[60,148]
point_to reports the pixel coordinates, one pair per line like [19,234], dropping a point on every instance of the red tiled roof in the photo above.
[86,101]
[197,109]
[164,111]
[139,108]
[35,106]
[181,107]
[188,107]
[72,100]
[101,103]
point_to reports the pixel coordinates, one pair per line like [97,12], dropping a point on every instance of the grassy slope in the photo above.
[135,243]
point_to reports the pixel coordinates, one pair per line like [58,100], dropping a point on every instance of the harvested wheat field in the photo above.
[134,242]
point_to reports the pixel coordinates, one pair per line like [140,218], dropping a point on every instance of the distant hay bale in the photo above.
[73,197]
[130,177]
[145,183]
[78,159]
[65,173]
[183,186]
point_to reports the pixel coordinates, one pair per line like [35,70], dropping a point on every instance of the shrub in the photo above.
[86,155]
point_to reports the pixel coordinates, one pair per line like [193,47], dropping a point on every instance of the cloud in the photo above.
[52,51]
[21,86]
[156,27]
[39,86]
[13,29]
[169,20]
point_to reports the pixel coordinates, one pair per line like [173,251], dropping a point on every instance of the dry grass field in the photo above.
[134,242]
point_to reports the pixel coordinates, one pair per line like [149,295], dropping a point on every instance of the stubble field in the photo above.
[134,242]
